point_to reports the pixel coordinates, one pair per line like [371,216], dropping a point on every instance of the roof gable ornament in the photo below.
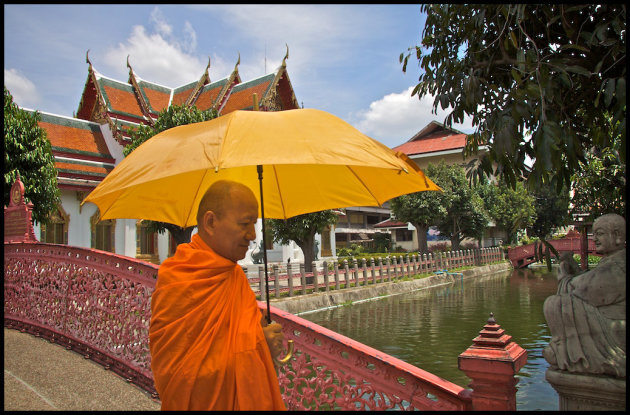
[139,95]
[92,106]
[233,79]
[273,100]
[204,80]
[284,60]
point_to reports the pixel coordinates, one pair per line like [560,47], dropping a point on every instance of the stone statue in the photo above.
[587,316]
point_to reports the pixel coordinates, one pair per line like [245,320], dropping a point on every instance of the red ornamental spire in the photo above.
[491,362]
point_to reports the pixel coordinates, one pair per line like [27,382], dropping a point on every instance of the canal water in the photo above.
[431,327]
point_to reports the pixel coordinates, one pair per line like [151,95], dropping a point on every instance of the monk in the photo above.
[209,349]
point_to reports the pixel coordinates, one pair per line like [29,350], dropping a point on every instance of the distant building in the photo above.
[433,143]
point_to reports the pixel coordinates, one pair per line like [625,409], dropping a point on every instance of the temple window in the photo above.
[103,232]
[55,231]
[146,242]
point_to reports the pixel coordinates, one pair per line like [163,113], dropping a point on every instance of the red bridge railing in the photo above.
[522,256]
[98,304]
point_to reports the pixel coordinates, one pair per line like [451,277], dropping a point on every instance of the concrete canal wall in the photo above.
[336,298]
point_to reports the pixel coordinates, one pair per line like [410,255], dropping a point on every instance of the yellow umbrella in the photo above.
[311,160]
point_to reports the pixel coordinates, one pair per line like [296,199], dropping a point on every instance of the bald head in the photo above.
[227,217]
[219,196]
[609,233]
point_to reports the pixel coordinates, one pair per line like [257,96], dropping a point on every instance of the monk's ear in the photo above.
[207,222]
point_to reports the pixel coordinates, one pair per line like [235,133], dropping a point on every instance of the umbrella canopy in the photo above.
[311,160]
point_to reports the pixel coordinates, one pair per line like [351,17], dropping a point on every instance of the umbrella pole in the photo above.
[259,168]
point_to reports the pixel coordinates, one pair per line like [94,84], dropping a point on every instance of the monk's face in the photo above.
[230,233]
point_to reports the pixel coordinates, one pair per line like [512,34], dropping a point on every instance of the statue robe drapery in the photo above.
[587,320]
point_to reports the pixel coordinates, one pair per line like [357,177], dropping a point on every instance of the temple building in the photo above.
[87,147]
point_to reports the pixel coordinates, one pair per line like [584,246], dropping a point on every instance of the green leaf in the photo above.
[576,47]
[609,92]
[514,40]
[578,70]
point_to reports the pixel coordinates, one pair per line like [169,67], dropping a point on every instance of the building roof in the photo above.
[433,144]
[128,104]
[433,138]
[390,224]
[81,155]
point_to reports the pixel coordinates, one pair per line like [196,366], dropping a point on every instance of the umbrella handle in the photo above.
[289,355]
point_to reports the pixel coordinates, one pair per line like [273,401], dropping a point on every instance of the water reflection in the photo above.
[431,327]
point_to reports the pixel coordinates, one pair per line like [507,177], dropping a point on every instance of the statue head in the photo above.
[609,233]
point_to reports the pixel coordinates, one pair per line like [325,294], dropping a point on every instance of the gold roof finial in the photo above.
[284,64]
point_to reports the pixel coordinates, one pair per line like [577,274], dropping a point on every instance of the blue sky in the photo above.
[342,58]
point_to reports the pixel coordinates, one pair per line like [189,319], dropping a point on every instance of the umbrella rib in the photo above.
[364,185]
[284,213]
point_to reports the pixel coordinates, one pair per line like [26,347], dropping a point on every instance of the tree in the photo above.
[422,210]
[552,211]
[302,230]
[465,212]
[28,151]
[510,208]
[538,81]
[599,187]
[170,117]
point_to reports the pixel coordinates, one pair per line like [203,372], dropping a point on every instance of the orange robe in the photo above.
[208,350]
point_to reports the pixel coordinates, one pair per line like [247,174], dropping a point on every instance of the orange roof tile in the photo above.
[243,98]
[179,98]
[433,144]
[81,169]
[74,135]
[122,101]
[157,97]
[209,93]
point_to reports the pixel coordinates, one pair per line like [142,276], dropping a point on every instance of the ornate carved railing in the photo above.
[332,372]
[93,302]
[98,304]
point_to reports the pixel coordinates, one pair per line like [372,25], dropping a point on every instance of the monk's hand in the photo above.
[263,319]
[273,334]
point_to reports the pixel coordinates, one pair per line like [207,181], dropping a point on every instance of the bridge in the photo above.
[97,304]
[522,256]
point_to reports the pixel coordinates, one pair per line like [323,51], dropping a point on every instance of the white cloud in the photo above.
[160,23]
[158,55]
[24,92]
[190,38]
[396,117]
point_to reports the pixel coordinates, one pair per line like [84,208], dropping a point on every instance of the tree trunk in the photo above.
[180,235]
[455,242]
[455,237]
[421,230]
[307,249]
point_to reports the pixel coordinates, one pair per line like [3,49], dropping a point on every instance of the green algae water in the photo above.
[431,327]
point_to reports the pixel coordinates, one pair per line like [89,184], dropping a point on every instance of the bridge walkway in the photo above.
[43,376]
